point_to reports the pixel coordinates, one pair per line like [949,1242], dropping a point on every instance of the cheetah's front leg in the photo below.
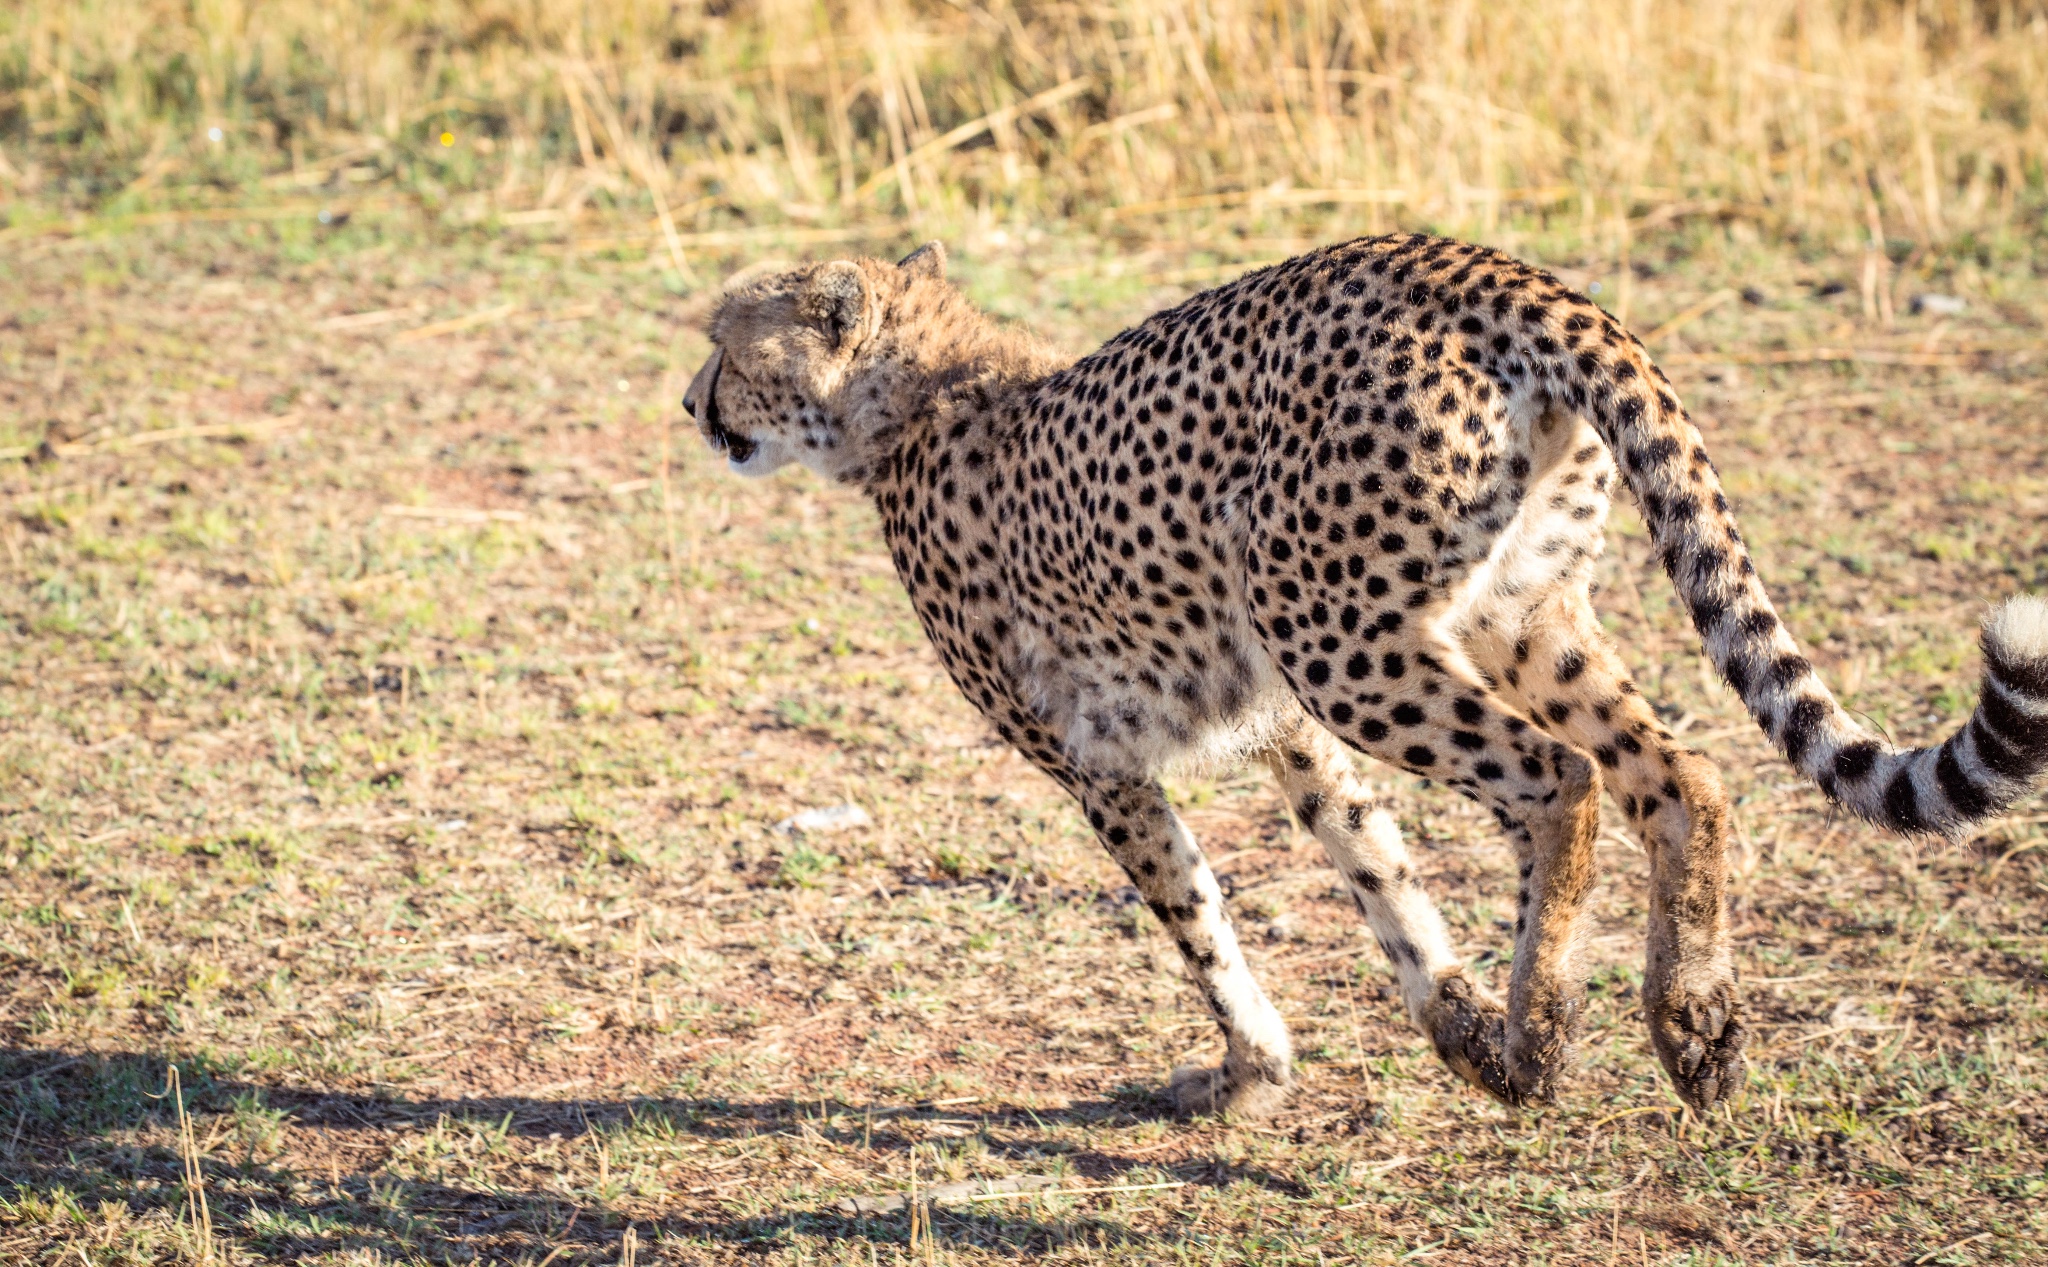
[1150,843]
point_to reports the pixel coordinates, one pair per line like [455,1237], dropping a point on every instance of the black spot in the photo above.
[2029,680]
[2011,764]
[1416,754]
[1656,453]
[1855,761]
[1901,804]
[1570,665]
[1969,800]
[2028,734]
[1802,726]
[1787,669]
[1737,674]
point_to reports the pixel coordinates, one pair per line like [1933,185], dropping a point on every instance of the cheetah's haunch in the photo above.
[1352,499]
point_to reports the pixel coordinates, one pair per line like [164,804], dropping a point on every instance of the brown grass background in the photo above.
[397,703]
[1839,119]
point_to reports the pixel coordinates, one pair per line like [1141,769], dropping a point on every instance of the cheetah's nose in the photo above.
[690,404]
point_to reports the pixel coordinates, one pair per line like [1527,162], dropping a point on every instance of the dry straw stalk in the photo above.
[1918,119]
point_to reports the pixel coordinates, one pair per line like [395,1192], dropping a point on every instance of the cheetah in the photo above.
[1347,502]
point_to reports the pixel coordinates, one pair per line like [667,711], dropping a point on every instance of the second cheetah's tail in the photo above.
[1980,770]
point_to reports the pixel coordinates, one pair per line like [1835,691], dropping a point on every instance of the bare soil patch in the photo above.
[405,765]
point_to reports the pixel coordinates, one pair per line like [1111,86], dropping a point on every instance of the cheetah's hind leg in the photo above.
[1561,667]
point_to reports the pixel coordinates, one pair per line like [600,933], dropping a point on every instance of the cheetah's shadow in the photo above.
[69,1111]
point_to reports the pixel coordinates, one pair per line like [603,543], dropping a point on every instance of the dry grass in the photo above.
[397,706]
[398,746]
[1838,120]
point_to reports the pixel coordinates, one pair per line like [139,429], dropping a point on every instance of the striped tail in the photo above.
[1999,757]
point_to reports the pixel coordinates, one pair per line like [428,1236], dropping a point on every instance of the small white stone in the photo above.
[829,819]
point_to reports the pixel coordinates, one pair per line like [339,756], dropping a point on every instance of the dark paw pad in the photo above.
[1699,1038]
[1470,1033]
[1541,1049]
[1533,1079]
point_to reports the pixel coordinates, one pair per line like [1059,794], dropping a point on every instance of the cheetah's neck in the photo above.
[949,392]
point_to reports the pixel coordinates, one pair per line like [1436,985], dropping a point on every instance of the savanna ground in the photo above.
[402,760]
[398,705]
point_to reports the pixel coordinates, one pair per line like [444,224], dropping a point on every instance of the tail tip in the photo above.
[2017,630]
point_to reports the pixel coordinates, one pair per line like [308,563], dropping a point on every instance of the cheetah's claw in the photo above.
[1699,1038]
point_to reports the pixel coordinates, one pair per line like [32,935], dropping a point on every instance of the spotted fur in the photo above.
[1349,500]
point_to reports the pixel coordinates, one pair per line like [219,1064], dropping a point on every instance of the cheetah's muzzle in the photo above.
[1348,503]
[731,443]
[721,438]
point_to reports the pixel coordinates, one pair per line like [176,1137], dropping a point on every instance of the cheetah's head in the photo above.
[799,360]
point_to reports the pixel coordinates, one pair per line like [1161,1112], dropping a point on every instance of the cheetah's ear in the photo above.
[836,299]
[927,261]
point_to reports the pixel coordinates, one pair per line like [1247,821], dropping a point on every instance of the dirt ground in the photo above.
[398,707]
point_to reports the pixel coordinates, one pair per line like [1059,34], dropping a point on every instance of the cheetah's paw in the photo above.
[1699,1036]
[1541,1047]
[1205,1090]
[1470,1033]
